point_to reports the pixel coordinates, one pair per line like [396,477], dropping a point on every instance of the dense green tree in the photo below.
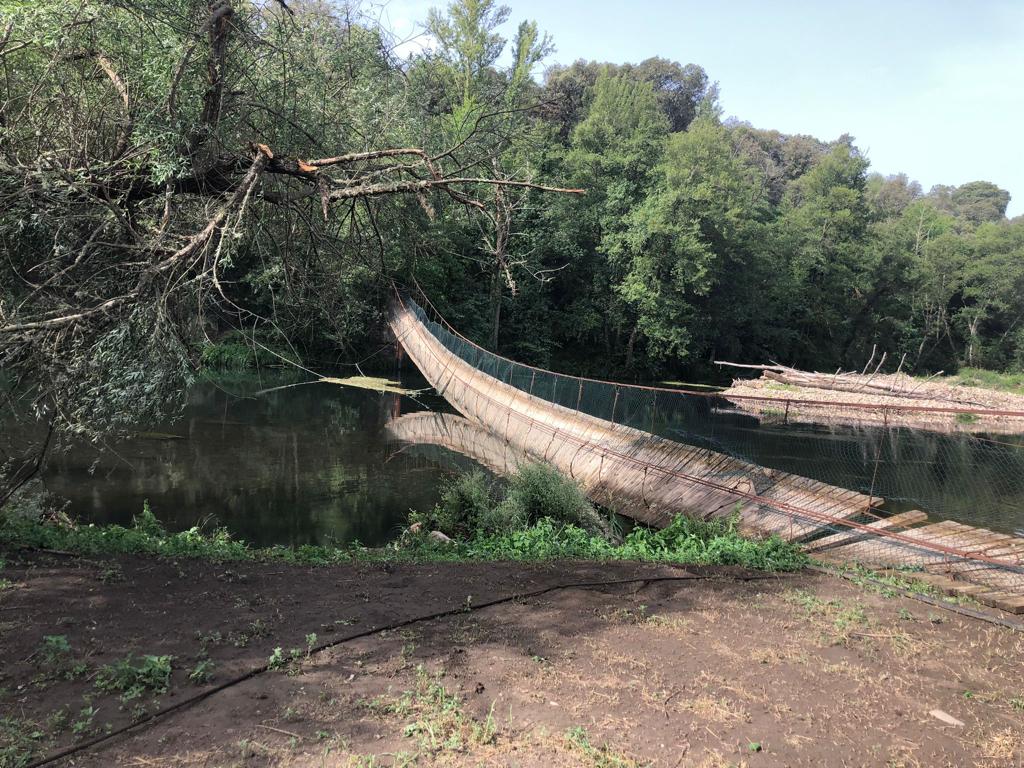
[172,169]
[694,233]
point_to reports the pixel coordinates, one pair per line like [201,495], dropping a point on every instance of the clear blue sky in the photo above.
[932,89]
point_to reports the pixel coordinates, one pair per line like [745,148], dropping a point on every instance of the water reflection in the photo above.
[316,463]
[305,464]
[977,479]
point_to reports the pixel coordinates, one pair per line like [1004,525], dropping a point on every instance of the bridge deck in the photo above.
[653,479]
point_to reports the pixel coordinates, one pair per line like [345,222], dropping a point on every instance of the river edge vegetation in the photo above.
[539,516]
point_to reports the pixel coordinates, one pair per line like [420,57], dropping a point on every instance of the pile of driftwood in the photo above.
[871,396]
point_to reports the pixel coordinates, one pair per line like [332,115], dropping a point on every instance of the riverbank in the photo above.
[668,666]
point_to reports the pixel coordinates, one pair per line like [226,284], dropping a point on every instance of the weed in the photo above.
[56,659]
[310,643]
[111,574]
[208,638]
[55,651]
[84,722]
[152,673]
[277,659]
[841,619]
[599,757]
[435,716]
[202,672]
[57,720]
[19,742]
[1017,703]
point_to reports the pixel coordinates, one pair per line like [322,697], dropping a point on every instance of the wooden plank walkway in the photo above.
[653,479]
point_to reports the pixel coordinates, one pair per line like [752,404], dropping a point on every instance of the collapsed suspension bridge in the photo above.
[602,434]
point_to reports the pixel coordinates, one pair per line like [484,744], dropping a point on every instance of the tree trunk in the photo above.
[495,308]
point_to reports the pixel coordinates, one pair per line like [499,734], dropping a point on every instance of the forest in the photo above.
[175,171]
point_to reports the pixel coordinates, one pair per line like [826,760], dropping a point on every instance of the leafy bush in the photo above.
[236,351]
[538,491]
[471,504]
[465,501]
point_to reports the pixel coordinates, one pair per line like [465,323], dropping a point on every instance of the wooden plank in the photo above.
[1004,601]
[903,519]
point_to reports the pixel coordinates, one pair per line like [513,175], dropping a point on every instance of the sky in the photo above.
[930,88]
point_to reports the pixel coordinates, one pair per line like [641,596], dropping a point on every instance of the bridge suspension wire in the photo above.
[848,492]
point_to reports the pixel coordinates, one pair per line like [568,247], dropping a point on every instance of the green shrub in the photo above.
[684,541]
[465,501]
[236,351]
[538,491]
[472,504]
[152,673]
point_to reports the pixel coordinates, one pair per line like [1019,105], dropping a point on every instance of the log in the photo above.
[822,381]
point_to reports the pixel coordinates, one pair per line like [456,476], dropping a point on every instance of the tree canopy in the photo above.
[174,169]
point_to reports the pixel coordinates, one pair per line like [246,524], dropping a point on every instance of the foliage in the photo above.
[465,502]
[20,740]
[132,679]
[473,504]
[539,491]
[979,377]
[598,757]
[435,716]
[202,672]
[235,351]
[135,128]
[685,541]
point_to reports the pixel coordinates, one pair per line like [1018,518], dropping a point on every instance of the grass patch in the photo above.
[541,516]
[980,377]
[20,741]
[435,718]
[598,757]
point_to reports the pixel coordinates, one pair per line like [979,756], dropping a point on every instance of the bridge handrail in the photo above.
[798,402]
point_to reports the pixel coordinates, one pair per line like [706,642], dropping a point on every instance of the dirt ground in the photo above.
[714,670]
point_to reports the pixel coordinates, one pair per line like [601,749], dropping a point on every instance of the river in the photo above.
[313,463]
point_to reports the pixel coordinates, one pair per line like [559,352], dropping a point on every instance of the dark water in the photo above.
[976,479]
[306,464]
[313,463]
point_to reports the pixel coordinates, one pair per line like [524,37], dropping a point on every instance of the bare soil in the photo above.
[795,670]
